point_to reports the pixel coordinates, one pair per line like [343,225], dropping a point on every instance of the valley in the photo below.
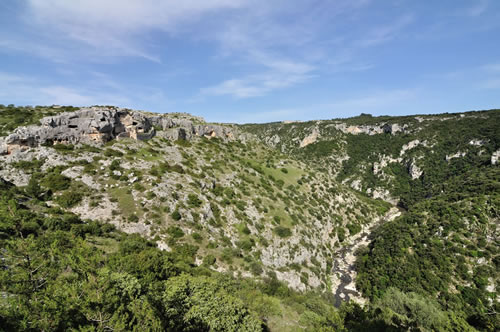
[320,225]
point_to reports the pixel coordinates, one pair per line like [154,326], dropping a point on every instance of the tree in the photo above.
[198,304]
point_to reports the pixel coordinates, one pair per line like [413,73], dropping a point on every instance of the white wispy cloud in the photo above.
[295,51]
[278,45]
[37,91]
[374,102]
[490,84]
[255,85]
[385,33]
[69,96]
[98,29]
[263,116]
[492,68]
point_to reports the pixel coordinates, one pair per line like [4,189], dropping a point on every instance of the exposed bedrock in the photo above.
[97,125]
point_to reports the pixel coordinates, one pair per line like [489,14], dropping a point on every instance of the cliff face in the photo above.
[87,125]
[97,125]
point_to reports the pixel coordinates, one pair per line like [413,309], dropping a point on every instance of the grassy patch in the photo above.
[125,201]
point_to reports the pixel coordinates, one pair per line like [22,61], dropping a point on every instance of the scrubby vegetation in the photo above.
[274,214]
[444,248]
[443,251]
[61,273]
[12,116]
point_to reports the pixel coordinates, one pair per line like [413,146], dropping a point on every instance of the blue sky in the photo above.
[253,60]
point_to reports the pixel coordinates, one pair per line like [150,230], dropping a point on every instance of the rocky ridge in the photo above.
[381,155]
[97,125]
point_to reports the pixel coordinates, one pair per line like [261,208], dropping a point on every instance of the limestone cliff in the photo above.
[97,125]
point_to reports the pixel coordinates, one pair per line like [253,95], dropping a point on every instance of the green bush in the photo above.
[194,201]
[64,147]
[112,153]
[176,215]
[209,260]
[175,232]
[341,234]
[56,181]
[69,199]
[282,232]
[353,228]
[197,237]
[241,205]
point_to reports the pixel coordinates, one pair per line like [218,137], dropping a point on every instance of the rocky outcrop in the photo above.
[387,128]
[414,171]
[87,125]
[101,124]
[459,154]
[477,142]
[495,157]
[310,139]
[185,128]
[410,145]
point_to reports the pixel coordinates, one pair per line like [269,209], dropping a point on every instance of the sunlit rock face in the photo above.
[87,125]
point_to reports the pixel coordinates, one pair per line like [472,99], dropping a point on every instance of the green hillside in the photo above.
[253,227]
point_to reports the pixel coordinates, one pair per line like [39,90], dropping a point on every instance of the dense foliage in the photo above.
[435,268]
[61,273]
[444,248]
[443,251]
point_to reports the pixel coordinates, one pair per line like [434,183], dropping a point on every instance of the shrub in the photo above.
[209,260]
[56,182]
[69,199]
[246,244]
[256,268]
[341,234]
[183,143]
[197,237]
[115,165]
[64,147]
[241,205]
[112,153]
[194,201]
[176,215]
[175,232]
[28,166]
[282,232]
[353,228]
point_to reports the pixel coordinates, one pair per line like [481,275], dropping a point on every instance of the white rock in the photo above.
[495,157]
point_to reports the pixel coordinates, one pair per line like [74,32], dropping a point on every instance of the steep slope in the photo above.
[59,273]
[445,247]
[443,170]
[177,180]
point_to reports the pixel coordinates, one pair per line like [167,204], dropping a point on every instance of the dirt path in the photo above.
[343,273]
